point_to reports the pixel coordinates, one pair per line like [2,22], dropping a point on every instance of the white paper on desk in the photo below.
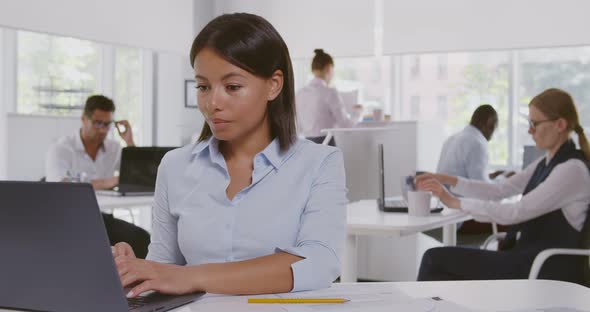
[370,297]
[412,305]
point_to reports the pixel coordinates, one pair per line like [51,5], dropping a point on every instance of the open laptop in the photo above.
[395,204]
[139,168]
[56,254]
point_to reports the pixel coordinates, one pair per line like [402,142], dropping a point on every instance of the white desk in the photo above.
[109,203]
[364,218]
[113,202]
[507,295]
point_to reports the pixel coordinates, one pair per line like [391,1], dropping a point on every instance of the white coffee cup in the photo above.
[419,203]
[378,114]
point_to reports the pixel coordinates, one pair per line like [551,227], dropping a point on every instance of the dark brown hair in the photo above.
[555,103]
[95,102]
[482,114]
[321,60]
[253,44]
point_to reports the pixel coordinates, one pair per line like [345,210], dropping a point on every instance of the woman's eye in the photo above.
[202,88]
[233,87]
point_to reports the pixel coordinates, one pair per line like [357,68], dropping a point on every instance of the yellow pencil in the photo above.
[297,300]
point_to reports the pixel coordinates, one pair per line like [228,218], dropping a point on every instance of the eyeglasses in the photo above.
[97,124]
[534,124]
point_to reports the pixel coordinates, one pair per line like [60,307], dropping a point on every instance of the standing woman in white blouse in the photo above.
[320,106]
[249,208]
[551,213]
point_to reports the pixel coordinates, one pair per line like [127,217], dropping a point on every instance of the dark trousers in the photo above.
[459,263]
[121,231]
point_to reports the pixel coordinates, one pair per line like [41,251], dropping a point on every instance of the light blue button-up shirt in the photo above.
[295,204]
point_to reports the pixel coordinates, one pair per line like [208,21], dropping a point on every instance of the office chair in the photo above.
[540,259]
[584,250]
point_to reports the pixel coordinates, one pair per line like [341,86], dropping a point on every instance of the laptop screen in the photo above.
[139,165]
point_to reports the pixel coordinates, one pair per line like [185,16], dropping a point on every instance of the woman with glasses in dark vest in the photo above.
[550,214]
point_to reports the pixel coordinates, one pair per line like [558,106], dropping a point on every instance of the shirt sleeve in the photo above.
[164,238]
[477,162]
[567,183]
[323,229]
[338,111]
[58,162]
[508,187]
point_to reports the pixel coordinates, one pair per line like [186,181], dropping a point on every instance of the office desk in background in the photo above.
[139,207]
[363,218]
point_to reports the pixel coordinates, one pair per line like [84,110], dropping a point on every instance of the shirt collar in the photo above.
[272,153]
[79,145]
[209,146]
[318,81]
[477,133]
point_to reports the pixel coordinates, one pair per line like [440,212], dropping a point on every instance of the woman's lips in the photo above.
[219,123]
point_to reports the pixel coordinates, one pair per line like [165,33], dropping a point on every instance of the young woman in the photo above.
[249,208]
[551,213]
[321,107]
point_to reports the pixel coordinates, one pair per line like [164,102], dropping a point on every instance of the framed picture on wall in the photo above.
[190,93]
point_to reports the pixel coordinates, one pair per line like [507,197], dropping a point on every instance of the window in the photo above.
[370,76]
[55,74]
[415,106]
[447,87]
[472,79]
[441,101]
[415,67]
[540,69]
[442,66]
[128,89]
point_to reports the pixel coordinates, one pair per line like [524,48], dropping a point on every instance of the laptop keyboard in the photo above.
[138,302]
[396,203]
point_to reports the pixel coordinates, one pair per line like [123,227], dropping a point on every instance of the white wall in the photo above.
[204,11]
[155,24]
[175,124]
[342,28]
[461,25]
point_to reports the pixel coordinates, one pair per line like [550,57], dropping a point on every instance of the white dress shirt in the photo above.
[67,158]
[567,187]
[296,203]
[465,154]
[320,107]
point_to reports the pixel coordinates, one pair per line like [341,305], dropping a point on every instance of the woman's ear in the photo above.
[562,125]
[275,85]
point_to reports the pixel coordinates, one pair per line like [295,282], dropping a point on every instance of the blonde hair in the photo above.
[555,104]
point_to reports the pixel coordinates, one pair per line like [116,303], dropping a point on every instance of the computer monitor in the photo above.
[530,154]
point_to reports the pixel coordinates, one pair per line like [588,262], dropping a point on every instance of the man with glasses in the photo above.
[89,156]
